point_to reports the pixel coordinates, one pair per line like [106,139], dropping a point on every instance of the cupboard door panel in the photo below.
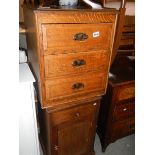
[73,137]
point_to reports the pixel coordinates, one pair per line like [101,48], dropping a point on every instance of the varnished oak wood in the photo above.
[63,64]
[71,59]
[76,16]
[63,88]
[70,130]
[54,39]
[47,23]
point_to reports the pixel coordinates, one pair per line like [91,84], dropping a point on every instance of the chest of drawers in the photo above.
[70,52]
[117,113]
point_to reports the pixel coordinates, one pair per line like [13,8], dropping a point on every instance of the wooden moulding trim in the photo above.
[75,17]
[72,102]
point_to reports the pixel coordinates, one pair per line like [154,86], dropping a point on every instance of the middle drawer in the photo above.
[124,111]
[75,63]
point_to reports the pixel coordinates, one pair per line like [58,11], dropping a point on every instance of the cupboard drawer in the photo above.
[127,41]
[75,63]
[124,111]
[74,113]
[124,92]
[70,87]
[66,38]
[123,128]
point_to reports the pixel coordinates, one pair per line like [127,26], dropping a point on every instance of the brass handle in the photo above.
[78,86]
[80,36]
[79,62]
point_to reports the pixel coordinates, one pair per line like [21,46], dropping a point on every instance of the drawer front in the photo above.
[74,86]
[127,41]
[65,38]
[124,92]
[124,111]
[89,108]
[75,63]
[123,128]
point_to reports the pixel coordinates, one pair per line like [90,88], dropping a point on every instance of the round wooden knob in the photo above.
[77,114]
[125,109]
[94,104]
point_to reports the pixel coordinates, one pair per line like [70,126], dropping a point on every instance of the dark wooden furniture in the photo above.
[116,117]
[69,52]
[124,43]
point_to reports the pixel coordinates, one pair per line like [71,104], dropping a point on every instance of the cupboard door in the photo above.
[71,131]
[73,137]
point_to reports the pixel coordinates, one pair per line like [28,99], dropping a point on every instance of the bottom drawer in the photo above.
[123,128]
[69,89]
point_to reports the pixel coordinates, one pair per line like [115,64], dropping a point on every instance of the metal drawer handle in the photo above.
[79,62]
[80,36]
[78,86]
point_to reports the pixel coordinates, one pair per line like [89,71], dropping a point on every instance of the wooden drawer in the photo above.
[72,87]
[124,92]
[75,63]
[127,42]
[124,111]
[75,113]
[123,128]
[66,38]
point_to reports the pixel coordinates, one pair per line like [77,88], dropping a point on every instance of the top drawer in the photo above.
[124,92]
[74,113]
[66,38]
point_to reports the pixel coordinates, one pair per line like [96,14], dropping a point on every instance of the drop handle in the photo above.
[77,86]
[79,62]
[80,36]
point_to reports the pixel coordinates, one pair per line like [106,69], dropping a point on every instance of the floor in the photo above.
[124,146]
